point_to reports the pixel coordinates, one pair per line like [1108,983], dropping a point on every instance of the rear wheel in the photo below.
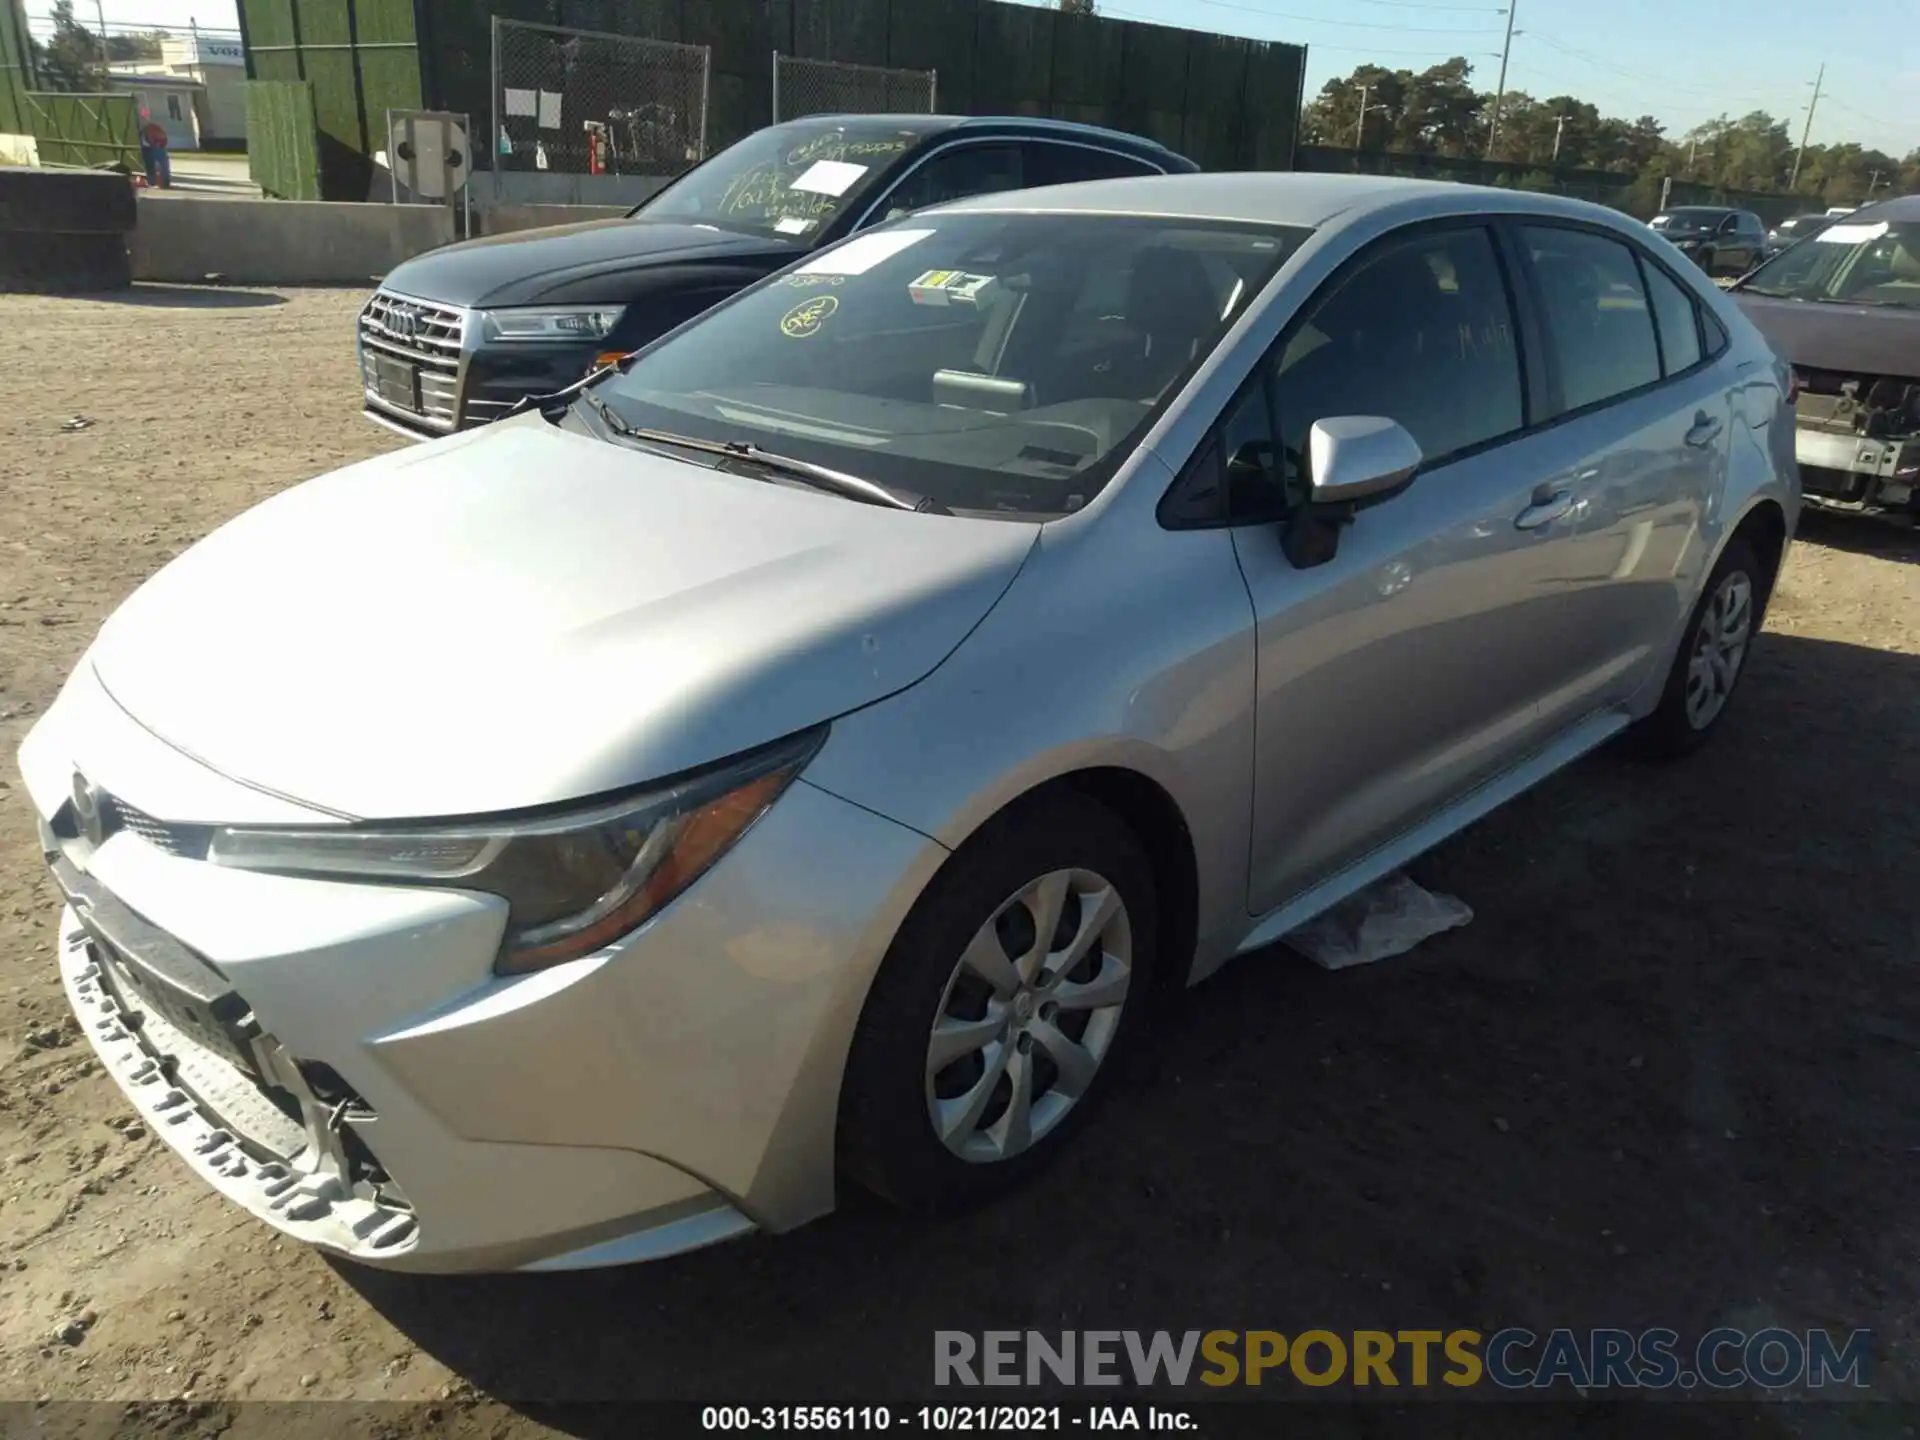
[1711,660]
[1002,1009]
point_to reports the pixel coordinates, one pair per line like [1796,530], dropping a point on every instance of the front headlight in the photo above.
[552,322]
[574,881]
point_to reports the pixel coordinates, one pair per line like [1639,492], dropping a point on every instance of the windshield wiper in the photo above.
[821,477]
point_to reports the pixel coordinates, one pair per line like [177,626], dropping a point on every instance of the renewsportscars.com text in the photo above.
[1509,1359]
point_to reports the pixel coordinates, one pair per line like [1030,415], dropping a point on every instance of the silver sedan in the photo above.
[809,753]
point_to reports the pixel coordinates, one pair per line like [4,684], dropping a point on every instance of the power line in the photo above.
[1350,24]
[1662,81]
[1421,5]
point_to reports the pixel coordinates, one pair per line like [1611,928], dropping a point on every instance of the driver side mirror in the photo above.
[1352,461]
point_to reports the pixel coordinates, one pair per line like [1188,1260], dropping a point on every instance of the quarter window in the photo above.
[1422,333]
[1674,313]
[1597,316]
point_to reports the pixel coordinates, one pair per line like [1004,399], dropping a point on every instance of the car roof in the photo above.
[997,125]
[1276,197]
[1901,207]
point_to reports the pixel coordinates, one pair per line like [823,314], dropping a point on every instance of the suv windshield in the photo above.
[1866,264]
[989,362]
[788,180]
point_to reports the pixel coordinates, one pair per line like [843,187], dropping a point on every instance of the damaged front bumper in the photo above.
[1850,457]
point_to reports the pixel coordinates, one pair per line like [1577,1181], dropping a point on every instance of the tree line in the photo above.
[1438,111]
[71,59]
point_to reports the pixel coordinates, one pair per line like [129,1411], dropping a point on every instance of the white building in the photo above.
[206,102]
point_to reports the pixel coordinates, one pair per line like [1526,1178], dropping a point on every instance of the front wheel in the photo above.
[1711,660]
[1002,1008]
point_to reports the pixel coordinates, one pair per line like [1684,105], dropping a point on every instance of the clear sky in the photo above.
[1683,61]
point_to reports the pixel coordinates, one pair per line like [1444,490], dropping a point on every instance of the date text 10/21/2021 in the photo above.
[944,1419]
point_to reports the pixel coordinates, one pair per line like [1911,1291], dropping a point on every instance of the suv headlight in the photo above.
[552,322]
[575,880]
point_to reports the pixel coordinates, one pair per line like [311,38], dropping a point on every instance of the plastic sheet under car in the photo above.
[1388,918]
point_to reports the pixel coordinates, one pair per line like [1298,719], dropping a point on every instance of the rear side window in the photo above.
[1597,317]
[1716,333]
[1420,332]
[1064,164]
[1674,313]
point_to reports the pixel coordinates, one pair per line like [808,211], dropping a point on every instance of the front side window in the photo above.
[953,356]
[1421,333]
[1596,313]
[1056,164]
[789,180]
[1875,263]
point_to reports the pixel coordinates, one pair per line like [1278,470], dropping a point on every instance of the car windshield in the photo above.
[993,363]
[1687,218]
[1871,263]
[788,180]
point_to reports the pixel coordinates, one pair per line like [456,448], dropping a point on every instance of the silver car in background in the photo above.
[807,758]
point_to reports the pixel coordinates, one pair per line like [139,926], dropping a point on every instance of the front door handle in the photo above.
[1547,507]
[1706,428]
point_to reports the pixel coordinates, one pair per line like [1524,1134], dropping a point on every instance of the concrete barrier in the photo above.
[504,219]
[185,238]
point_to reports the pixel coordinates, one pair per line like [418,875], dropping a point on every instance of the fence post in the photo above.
[706,97]
[776,87]
[493,135]
[933,92]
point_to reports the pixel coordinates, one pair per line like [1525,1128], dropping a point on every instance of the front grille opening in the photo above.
[347,1108]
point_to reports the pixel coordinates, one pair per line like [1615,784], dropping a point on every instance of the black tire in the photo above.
[37,263]
[887,1143]
[1672,730]
[68,202]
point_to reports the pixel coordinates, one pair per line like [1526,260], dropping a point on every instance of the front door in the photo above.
[1410,667]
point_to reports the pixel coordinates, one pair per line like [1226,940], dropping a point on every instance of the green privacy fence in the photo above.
[283,139]
[90,130]
[16,69]
[1228,102]
[361,60]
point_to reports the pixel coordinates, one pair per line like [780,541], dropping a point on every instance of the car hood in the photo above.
[518,616]
[1868,339]
[526,266]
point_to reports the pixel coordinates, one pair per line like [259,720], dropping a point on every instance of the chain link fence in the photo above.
[833,87]
[583,102]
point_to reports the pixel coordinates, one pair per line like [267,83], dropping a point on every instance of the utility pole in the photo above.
[1693,147]
[1559,129]
[1807,129]
[1500,90]
[1360,125]
[100,12]
[1873,184]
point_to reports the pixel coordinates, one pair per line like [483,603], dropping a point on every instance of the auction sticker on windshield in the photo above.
[862,253]
[1851,234]
[829,177]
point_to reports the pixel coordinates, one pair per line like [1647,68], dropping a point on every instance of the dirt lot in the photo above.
[1664,1078]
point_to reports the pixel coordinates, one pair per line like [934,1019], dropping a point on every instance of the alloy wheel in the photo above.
[1719,649]
[1028,1015]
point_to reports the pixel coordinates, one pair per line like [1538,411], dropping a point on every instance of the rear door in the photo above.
[1642,419]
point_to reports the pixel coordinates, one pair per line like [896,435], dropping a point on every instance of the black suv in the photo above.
[458,336]
[1722,241]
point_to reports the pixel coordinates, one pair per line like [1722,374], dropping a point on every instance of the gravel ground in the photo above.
[1664,1077]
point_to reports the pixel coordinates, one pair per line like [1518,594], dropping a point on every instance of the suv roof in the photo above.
[1012,125]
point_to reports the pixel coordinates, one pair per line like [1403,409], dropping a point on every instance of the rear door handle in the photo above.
[1706,428]
[1547,507]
